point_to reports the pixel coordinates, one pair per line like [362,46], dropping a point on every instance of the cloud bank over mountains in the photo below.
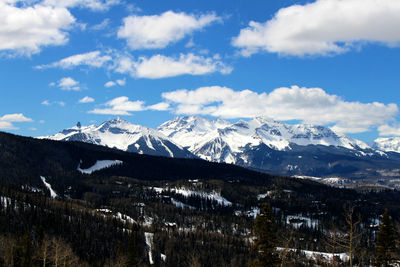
[323,27]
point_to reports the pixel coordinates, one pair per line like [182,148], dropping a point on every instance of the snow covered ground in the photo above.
[316,254]
[149,243]
[99,165]
[181,205]
[5,201]
[298,220]
[188,193]
[53,194]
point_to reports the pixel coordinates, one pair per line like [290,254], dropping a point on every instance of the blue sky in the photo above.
[327,62]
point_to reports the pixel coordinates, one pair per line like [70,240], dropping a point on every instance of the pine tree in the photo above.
[265,243]
[386,241]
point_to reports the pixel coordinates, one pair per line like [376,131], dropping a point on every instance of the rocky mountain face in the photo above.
[219,140]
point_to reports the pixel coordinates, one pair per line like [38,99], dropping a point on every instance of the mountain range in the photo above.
[260,143]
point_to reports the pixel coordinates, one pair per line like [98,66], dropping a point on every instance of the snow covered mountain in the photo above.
[391,144]
[260,143]
[222,141]
[123,135]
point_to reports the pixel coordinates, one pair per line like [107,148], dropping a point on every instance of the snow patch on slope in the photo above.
[53,194]
[99,165]
[149,243]
[316,254]
[188,193]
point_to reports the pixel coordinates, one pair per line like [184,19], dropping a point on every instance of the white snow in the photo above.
[181,205]
[116,133]
[222,141]
[149,243]
[31,188]
[390,144]
[53,194]
[250,213]
[118,215]
[104,210]
[332,181]
[261,196]
[187,193]
[99,165]
[124,218]
[316,254]
[5,201]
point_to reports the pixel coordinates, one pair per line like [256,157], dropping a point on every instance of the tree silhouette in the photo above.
[386,241]
[265,243]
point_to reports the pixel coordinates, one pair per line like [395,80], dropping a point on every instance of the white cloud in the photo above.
[158,31]
[323,27]
[27,29]
[120,82]
[160,66]
[94,5]
[310,105]
[101,26]
[109,84]
[119,106]
[48,103]
[86,99]
[154,67]
[162,106]
[389,130]
[68,84]
[92,59]
[6,121]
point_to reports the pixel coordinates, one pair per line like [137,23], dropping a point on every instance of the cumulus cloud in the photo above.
[123,106]
[160,66]
[110,84]
[162,106]
[310,105]
[154,67]
[120,82]
[119,106]
[26,29]
[389,130]
[323,27]
[158,31]
[92,59]
[68,84]
[7,121]
[86,99]
[94,5]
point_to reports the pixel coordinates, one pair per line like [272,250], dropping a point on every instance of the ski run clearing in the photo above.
[99,165]
[53,194]
[149,243]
